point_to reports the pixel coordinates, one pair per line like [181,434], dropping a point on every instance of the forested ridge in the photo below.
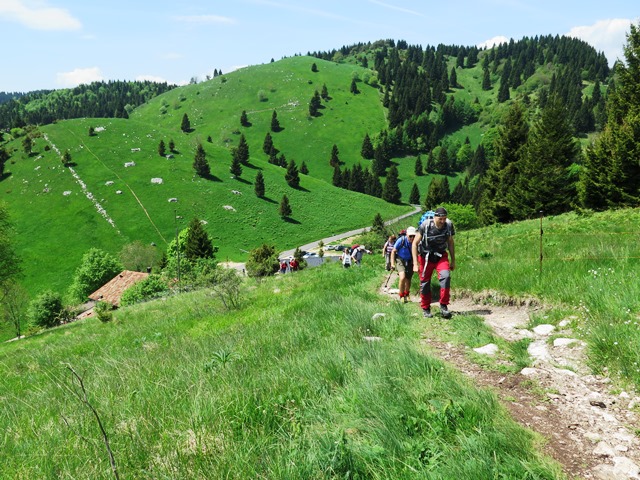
[98,99]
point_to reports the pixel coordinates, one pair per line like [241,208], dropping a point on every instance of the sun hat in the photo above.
[411,231]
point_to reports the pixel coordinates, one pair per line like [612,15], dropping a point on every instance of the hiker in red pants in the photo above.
[429,250]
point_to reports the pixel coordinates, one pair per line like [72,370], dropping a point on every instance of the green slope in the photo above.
[54,229]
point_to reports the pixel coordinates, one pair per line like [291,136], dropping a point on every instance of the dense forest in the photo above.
[98,99]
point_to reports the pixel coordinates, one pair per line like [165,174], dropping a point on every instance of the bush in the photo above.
[263,261]
[464,217]
[149,288]
[96,269]
[104,311]
[46,310]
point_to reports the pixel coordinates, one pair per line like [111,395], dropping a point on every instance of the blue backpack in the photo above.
[428,215]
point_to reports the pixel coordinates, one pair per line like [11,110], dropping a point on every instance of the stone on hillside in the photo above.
[530,372]
[378,315]
[489,349]
[544,329]
[372,339]
[564,342]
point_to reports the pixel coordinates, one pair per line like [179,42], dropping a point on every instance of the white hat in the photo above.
[411,231]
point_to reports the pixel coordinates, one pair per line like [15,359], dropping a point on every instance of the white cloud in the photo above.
[205,19]
[79,76]
[493,41]
[608,36]
[37,15]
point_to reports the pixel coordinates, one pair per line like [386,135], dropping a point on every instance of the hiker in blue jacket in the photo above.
[402,261]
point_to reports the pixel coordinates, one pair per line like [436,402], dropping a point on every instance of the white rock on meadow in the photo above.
[489,349]
[544,329]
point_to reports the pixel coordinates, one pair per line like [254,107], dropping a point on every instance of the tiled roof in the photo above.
[112,291]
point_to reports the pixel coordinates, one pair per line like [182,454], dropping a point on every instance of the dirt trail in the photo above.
[589,425]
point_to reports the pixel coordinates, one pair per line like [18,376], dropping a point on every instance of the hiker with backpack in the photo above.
[346,258]
[432,246]
[402,261]
[387,248]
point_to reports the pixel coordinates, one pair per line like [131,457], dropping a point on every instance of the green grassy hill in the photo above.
[288,386]
[55,228]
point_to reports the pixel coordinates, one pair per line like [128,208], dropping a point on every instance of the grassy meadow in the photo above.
[288,386]
[589,274]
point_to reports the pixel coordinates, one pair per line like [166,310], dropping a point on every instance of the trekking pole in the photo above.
[387,282]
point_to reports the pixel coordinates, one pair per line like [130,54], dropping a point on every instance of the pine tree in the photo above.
[611,174]
[244,120]
[336,180]
[502,170]
[414,196]
[418,169]
[292,177]
[486,79]
[267,145]
[325,92]
[314,104]
[200,163]
[197,242]
[334,161]
[236,165]
[243,150]
[314,67]
[304,169]
[391,191]
[172,146]
[544,180]
[275,124]
[354,87]
[162,149]
[285,209]
[66,158]
[185,126]
[453,78]
[367,148]
[258,186]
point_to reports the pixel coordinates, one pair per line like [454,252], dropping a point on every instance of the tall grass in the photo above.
[286,387]
[589,271]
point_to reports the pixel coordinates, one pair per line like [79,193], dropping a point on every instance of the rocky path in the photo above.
[590,426]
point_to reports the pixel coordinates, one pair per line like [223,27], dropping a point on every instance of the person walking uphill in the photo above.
[429,250]
[387,248]
[402,261]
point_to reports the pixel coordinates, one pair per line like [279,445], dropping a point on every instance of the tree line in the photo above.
[112,99]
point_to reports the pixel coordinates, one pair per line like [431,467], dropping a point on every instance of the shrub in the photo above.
[96,269]
[104,311]
[262,261]
[151,287]
[46,310]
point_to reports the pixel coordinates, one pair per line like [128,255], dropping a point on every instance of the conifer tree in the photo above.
[162,149]
[611,174]
[197,242]
[336,180]
[200,163]
[486,79]
[354,87]
[244,120]
[292,177]
[172,146]
[304,169]
[325,92]
[314,104]
[334,161]
[275,124]
[367,148]
[243,150]
[258,185]
[285,209]
[185,126]
[544,180]
[453,78]
[391,191]
[418,169]
[236,165]
[414,196]
[498,181]
[267,145]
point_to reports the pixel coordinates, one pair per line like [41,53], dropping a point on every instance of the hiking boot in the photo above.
[426,313]
[444,311]
[406,299]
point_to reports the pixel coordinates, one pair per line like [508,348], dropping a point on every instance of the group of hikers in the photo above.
[425,249]
[290,265]
[353,255]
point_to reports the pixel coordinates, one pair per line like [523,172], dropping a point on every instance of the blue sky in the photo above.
[50,44]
